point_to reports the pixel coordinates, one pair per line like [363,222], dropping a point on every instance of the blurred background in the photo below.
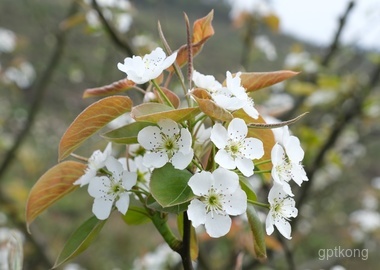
[51,51]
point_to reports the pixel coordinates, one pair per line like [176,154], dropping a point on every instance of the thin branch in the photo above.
[39,87]
[335,44]
[333,49]
[342,121]
[112,33]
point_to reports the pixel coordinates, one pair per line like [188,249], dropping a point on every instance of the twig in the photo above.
[39,87]
[333,49]
[112,33]
[343,120]
[335,44]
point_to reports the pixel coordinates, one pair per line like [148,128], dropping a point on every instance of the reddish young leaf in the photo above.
[202,31]
[209,107]
[93,118]
[202,28]
[254,81]
[53,185]
[154,112]
[174,99]
[110,89]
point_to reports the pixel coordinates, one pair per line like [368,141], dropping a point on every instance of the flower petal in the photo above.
[253,148]
[269,224]
[219,136]
[181,161]
[115,167]
[200,183]
[236,203]
[217,225]
[277,155]
[155,159]
[99,186]
[249,108]
[150,137]
[245,166]
[168,127]
[237,130]
[196,212]
[122,203]
[129,179]
[169,60]
[294,150]
[185,141]
[283,226]
[225,160]
[225,181]
[102,208]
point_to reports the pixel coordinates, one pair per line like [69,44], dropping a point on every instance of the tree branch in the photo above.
[112,33]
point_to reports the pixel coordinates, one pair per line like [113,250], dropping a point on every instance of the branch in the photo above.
[112,33]
[348,114]
[333,49]
[39,87]
[335,44]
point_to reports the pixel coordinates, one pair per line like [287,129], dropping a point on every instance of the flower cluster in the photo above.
[218,157]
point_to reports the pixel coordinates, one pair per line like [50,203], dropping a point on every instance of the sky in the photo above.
[317,21]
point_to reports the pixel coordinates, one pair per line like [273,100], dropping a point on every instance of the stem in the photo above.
[162,94]
[263,162]
[185,249]
[259,204]
[264,171]
[162,226]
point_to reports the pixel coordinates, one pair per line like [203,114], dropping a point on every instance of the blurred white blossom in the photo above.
[7,40]
[266,46]
[161,258]
[22,75]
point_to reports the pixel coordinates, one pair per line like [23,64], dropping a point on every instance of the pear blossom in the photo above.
[207,82]
[141,70]
[231,97]
[136,165]
[235,150]
[111,189]
[165,143]
[282,207]
[219,196]
[286,156]
[95,163]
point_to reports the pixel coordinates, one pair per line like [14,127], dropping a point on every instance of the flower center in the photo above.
[170,144]
[214,202]
[233,148]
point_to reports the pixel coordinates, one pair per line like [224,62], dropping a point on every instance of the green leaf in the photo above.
[257,229]
[136,216]
[80,240]
[169,186]
[247,187]
[126,134]
[176,209]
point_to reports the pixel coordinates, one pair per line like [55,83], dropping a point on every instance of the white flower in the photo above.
[95,162]
[140,70]
[109,189]
[219,196]
[136,165]
[207,82]
[286,156]
[282,207]
[166,143]
[235,150]
[234,97]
